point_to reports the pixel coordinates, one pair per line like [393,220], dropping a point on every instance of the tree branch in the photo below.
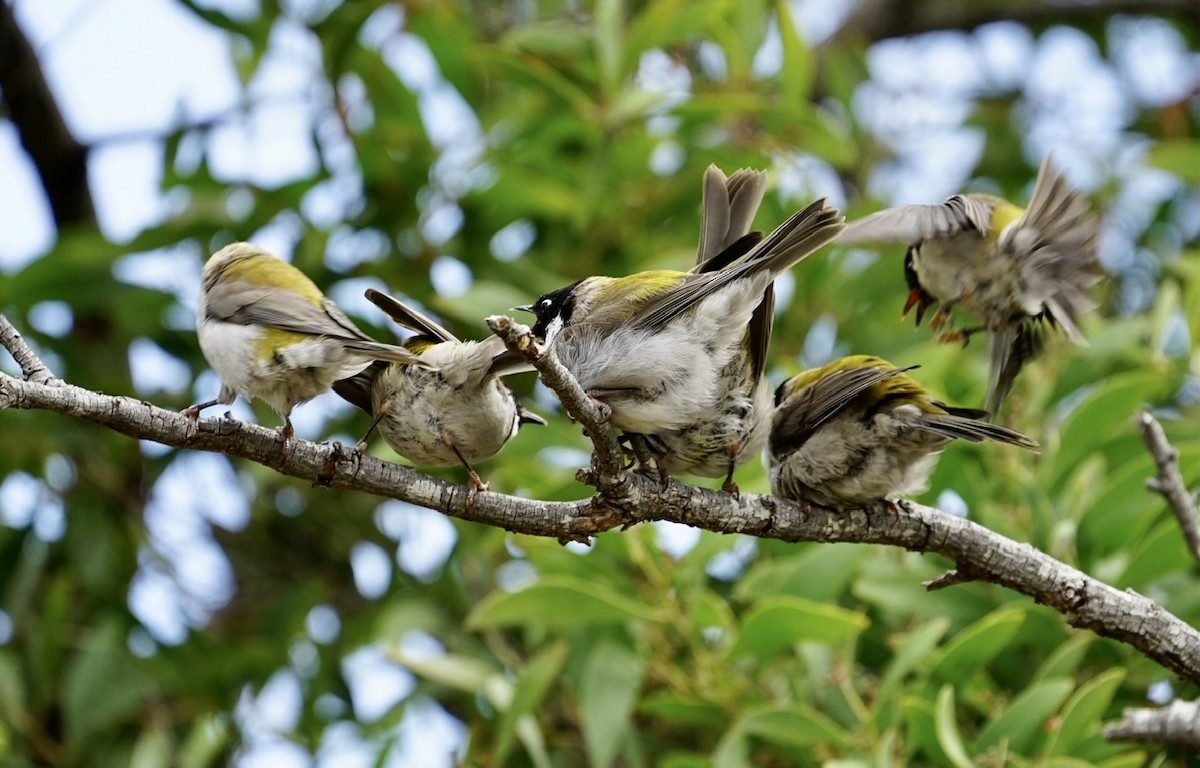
[1169,482]
[877,20]
[1176,725]
[32,367]
[608,461]
[1087,603]
[60,160]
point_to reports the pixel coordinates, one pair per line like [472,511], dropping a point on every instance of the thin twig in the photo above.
[1169,482]
[608,470]
[32,367]
[1176,725]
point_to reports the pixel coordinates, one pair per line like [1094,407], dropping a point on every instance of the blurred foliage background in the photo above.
[164,608]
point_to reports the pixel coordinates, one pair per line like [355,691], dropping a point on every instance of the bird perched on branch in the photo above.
[737,427]
[1016,270]
[269,333]
[859,429]
[456,410]
[651,347]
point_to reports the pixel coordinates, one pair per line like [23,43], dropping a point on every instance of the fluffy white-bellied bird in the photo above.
[651,346]
[736,429]
[270,333]
[1012,268]
[459,412]
[858,429]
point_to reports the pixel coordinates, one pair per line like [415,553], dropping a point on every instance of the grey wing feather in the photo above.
[407,317]
[970,428]
[759,332]
[1055,243]
[247,304]
[804,232]
[797,418]
[504,362]
[356,390]
[911,224]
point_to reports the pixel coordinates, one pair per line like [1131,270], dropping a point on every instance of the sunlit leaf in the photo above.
[608,690]
[976,645]
[776,623]
[1024,719]
[1081,715]
[947,729]
[539,675]
[558,601]
[792,726]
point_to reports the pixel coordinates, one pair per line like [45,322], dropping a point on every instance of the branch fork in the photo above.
[607,473]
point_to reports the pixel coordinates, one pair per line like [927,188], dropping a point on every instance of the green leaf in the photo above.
[1065,659]
[683,710]
[209,735]
[710,611]
[1104,413]
[922,729]
[1082,715]
[608,30]
[978,644]
[780,622]
[1126,760]
[104,684]
[608,690]
[1120,513]
[558,601]
[452,670]
[680,760]
[798,64]
[792,725]
[12,691]
[539,73]
[1024,719]
[663,23]
[732,751]
[152,749]
[820,573]
[1163,551]
[540,673]
[915,649]
[947,730]
[1179,156]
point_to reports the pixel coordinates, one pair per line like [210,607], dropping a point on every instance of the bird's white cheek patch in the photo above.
[553,328]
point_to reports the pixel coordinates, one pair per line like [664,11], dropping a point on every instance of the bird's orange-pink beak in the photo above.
[915,299]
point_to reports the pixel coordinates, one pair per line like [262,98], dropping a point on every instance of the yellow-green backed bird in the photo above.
[737,427]
[651,347]
[269,333]
[858,429]
[458,411]
[1013,269]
